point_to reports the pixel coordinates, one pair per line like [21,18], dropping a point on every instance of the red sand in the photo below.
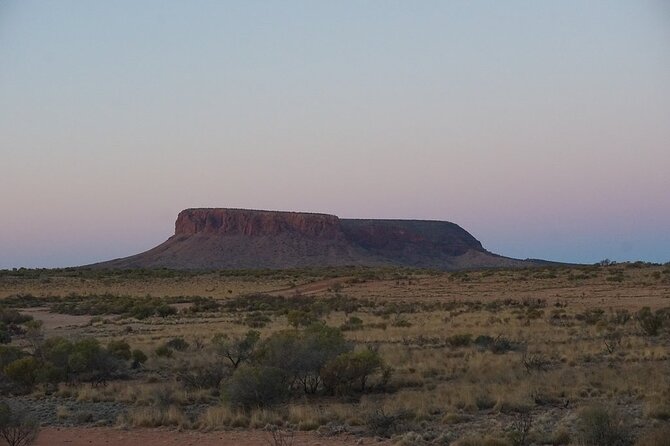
[159,437]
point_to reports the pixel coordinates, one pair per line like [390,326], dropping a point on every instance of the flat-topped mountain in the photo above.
[219,238]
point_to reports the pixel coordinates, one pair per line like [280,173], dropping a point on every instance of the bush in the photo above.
[256,387]
[165,310]
[302,354]
[649,322]
[15,428]
[163,351]
[119,349]
[206,374]
[236,349]
[88,361]
[178,344]
[9,354]
[23,372]
[5,334]
[9,317]
[256,320]
[599,426]
[498,345]
[387,424]
[350,371]
[300,318]
[139,358]
[459,340]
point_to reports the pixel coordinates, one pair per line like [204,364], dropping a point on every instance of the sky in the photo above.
[543,128]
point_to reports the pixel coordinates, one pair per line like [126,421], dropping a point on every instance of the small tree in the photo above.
[256,386]
[599,426]
[351,371]
[23,372]
[15,428]
[236,349]
[303,353]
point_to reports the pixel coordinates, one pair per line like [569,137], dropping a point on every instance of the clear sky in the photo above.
[543,128]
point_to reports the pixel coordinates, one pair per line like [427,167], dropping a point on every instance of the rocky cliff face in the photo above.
[252,223]
[220,238]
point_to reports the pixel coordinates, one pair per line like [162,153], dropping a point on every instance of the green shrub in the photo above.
[178,344]
[256,386]
[9,317]
[300,318]
[459,340]
[89,362]
[599,426]
[5,334]
[119,349]
[9,354]
[163,351]
[236,349]
[16,428]
[350,371]
[23,372]
[138,358]
[165,310]
[256,319]
[302,354]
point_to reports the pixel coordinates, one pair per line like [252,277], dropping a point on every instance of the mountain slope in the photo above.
[219,238]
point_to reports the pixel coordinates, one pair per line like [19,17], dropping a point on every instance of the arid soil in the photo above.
[161,437]
[476,353]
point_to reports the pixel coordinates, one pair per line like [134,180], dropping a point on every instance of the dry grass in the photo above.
[443,386]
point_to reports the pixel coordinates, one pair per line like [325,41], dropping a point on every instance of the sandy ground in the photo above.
[159,437]
[54,321]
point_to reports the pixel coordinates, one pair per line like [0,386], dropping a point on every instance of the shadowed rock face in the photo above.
[250,223]
[237,238]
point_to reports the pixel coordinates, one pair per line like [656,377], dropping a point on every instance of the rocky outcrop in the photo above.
[254,223]
[220,238]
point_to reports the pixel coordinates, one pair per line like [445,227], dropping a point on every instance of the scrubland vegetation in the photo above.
[556,356]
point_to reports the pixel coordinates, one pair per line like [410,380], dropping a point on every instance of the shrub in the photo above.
[163,351]
[387,424]
[202,371]
[620,317]
[649,322]
[302,354]
[5,335]
[256,319]
[15,428]
[459,340]
[119,349]
[178,344]
[88,361]
[9,317]
[350,371]
[498,345]
[300,318]
[9,354]
[256,386]
[23,372]
[165,310]
[139,358]
[599,426]
[236,349]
